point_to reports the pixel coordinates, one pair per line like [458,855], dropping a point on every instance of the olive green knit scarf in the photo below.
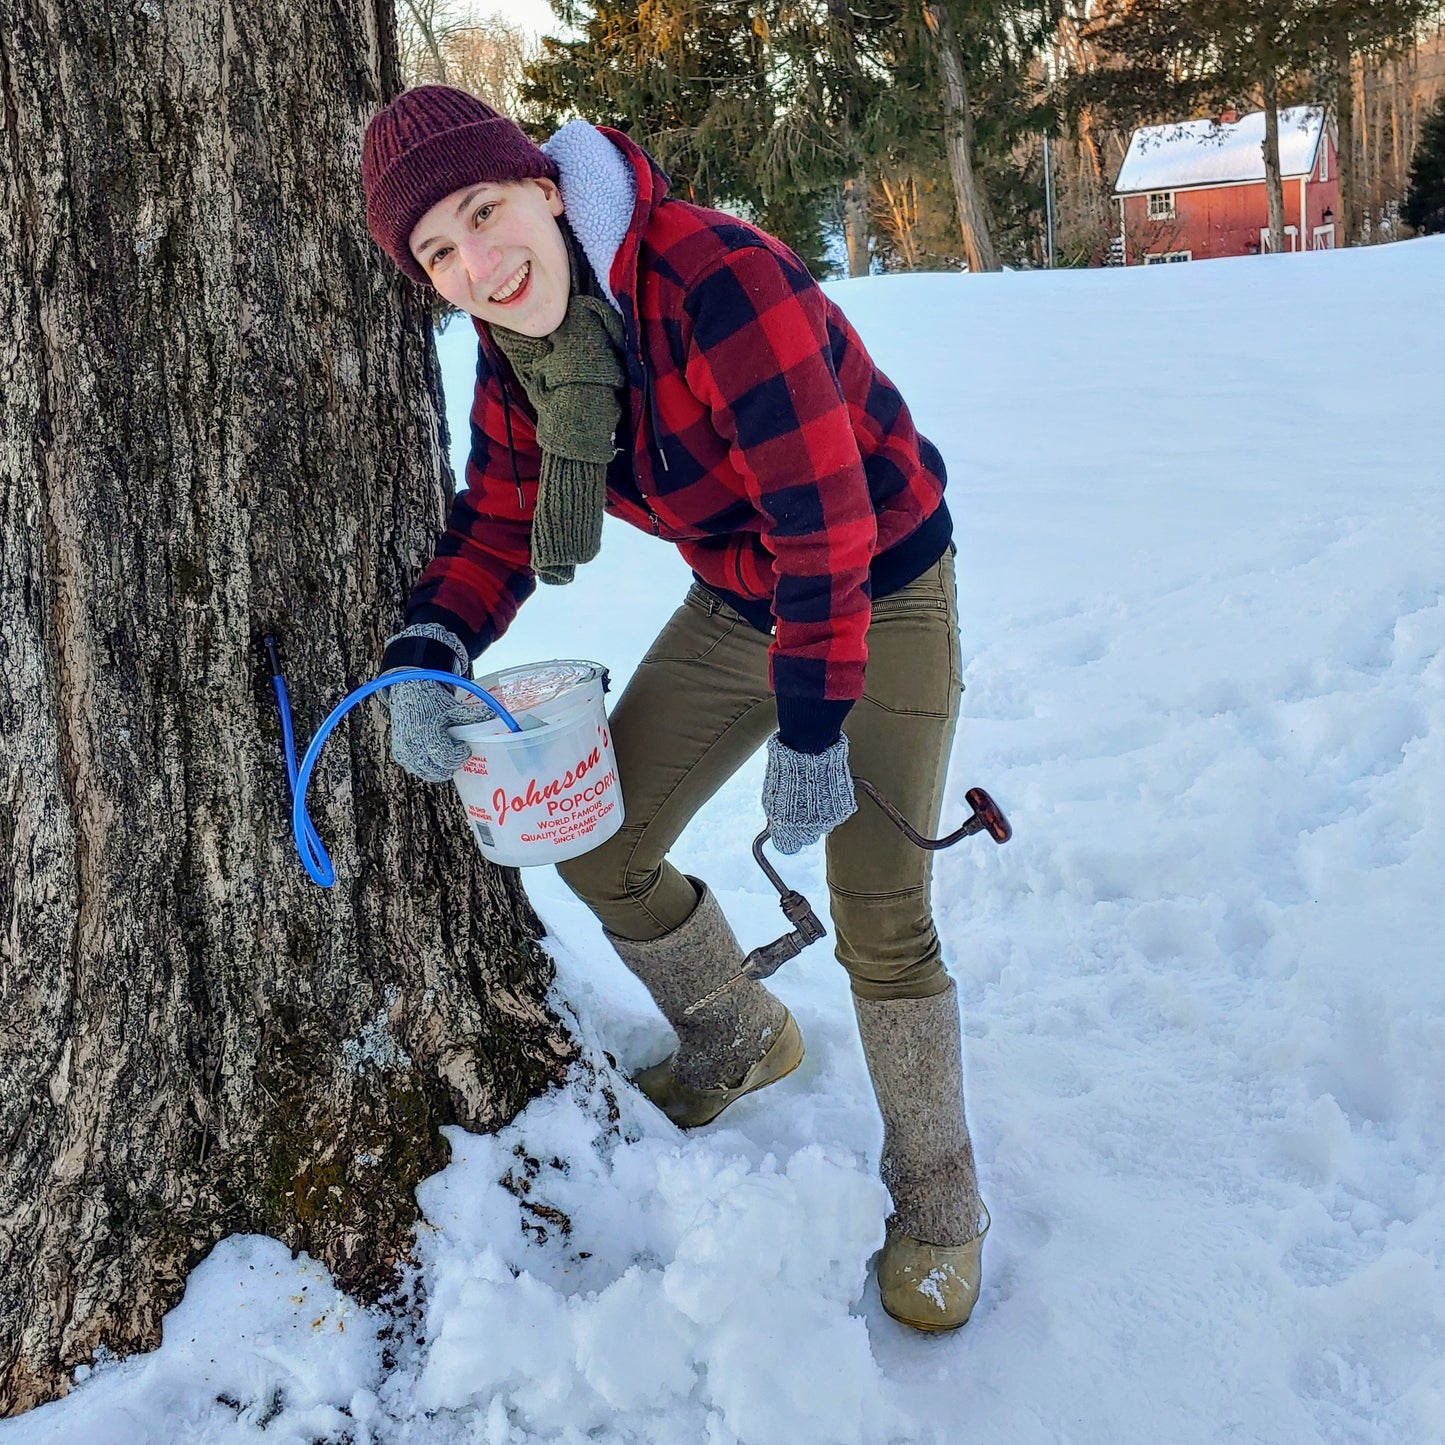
[575,380]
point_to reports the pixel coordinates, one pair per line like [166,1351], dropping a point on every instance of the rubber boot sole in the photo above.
[931,1287]
[690,1107]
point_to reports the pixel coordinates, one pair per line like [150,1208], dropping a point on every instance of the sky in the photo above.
[533,15]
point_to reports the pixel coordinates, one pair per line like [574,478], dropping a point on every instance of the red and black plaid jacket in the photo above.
[765,445]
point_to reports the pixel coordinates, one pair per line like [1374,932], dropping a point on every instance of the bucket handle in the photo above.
[314,857]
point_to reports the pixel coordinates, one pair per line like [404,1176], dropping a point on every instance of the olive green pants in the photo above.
[699,705]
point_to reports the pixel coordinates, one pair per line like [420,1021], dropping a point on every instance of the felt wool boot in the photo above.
[741,1041]
[929,1270]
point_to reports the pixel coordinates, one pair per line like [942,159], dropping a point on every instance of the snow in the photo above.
[1201,532]
[1205,153]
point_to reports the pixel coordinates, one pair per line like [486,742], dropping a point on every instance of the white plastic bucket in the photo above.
[549,792]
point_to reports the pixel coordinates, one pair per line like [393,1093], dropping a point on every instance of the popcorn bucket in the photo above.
[549,792]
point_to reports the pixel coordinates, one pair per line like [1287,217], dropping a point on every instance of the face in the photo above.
[496,252]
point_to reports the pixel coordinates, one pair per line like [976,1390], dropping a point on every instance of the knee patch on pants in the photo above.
[632,896]
[888,944]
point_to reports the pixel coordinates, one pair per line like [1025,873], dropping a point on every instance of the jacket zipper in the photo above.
[511,445]
[650,406]
[651,402]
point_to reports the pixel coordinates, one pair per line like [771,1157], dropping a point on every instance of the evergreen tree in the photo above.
[831,69]
[907,128]
[1425,202]
[692,81]
[780,108]
[981,51]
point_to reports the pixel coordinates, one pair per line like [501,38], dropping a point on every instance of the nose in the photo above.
[480,259]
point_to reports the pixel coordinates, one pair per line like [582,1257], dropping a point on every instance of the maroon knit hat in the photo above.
[430,141]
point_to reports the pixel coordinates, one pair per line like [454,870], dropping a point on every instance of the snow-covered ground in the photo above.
[1201,520]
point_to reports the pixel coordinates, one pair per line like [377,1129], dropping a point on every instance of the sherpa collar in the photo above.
[599,194]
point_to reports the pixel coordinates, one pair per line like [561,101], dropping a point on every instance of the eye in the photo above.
[483,212]
[437,257]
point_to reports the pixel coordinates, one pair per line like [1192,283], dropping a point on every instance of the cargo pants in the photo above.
[699,705]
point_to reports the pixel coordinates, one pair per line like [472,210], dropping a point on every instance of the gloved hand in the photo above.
[421,713]
[806,795]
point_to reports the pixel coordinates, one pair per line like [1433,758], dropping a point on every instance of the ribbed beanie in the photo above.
[430,141]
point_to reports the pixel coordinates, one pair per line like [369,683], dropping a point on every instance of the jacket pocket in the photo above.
[914,665]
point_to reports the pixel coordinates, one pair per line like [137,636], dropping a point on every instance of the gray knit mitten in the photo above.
[806,795]
[421,713]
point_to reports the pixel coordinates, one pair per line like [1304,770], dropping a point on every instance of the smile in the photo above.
[513,283]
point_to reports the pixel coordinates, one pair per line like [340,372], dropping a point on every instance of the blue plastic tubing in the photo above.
[314,857]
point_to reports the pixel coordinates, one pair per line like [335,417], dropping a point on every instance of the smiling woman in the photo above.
[496,252]
[681,370]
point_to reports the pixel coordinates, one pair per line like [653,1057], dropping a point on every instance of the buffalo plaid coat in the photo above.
[761,440]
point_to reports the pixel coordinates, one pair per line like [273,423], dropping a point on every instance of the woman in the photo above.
[681,370]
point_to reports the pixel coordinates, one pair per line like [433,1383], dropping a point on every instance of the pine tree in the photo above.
[907,128]
[1425,203]
[830,69]
[980,51]
[686,79]
[790,110]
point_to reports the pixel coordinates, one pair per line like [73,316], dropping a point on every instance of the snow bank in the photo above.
[262,1347]
[671,1292]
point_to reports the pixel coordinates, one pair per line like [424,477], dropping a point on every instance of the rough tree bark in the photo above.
[220,418]
[978,244]
[1273,182]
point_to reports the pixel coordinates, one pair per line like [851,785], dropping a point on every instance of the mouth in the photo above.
[514,288]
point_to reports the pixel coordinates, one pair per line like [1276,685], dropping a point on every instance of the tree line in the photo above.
[915,134]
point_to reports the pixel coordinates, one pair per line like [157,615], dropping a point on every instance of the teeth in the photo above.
[516,280]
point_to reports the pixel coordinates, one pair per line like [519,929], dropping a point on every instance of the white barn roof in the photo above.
[1205,153]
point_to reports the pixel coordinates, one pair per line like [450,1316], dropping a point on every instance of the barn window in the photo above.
[1324,158]
[1161,205]
[1160,257]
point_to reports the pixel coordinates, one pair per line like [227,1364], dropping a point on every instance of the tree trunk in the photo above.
[1367,155]
[1396,129]
[220,419]
[1273,183]
[1345,153]
[958,133]
[898,217]
[1090,144]
[425,28]
[855,223]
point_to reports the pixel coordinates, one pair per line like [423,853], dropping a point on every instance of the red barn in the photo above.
[1195,190]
